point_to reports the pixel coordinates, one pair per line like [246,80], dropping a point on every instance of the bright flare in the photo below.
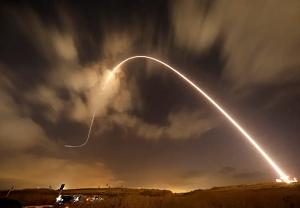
[286,180]
[58,199]
[205,95]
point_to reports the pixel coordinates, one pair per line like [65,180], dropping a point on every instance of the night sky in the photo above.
[152,129]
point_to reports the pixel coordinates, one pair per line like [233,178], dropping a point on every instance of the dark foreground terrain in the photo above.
[271,195]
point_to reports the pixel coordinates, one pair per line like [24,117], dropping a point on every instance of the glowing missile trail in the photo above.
[203,93]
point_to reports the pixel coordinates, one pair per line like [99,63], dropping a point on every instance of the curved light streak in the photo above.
[88,136]
[205,95]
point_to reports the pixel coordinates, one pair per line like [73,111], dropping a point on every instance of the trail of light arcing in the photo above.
[203,93]
[88,136]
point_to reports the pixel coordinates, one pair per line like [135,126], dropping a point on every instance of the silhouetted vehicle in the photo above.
[10,203]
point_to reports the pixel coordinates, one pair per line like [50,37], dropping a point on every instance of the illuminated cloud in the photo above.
[16,131]
[181,125]
[195,26]
[79,82]
[83,84]
[260,39]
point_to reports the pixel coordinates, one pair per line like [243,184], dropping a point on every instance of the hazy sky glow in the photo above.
[152,129]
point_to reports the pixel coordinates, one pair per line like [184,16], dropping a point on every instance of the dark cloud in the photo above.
[193,174]
[181,125]
[248,175]
[227,170]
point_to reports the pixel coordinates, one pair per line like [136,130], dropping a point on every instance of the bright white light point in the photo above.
[205,95]
[58,198]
